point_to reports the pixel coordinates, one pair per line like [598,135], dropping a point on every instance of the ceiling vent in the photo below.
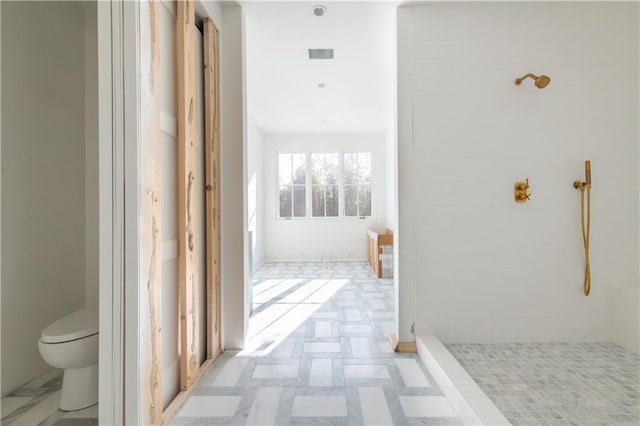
[320,53]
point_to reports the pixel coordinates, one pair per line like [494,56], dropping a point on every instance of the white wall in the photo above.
[255,193]
[488,269]
[43,186]
[390,180]
[91,152]
[232,166]
[311,239]
[404,247]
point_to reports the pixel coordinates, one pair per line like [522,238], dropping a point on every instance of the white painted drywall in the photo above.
[255,193]
[339,238]
[43,186]
[390,179]
[404,237]
[91,152]
[232,166]
[488,269]
[211,9]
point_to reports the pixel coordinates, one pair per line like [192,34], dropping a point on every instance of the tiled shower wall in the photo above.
[485,268]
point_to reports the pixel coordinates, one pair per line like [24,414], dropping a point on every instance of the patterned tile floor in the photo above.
[36,403]
[556,383]
[318,355]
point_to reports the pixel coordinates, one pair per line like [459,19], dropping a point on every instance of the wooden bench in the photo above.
[375,244]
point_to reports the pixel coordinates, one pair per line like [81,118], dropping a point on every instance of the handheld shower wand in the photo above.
[587,172]
[585,186]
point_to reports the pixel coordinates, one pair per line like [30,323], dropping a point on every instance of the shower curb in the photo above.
[470,403]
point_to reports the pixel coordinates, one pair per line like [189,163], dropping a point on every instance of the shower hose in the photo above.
[585,234]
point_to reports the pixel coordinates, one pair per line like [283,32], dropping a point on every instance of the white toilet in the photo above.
[71,343]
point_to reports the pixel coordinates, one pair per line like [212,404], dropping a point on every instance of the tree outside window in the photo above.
[292,182]
[357,184]
[336,182]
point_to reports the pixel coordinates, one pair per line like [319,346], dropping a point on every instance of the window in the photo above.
[357,184]
[324,181]
[292,182]
[324,184]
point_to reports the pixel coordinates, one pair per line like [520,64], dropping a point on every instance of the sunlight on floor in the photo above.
[276,317]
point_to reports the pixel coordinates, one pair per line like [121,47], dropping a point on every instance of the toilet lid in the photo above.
[79,324]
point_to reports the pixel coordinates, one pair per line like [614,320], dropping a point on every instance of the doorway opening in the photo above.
[50,215]
[320,175]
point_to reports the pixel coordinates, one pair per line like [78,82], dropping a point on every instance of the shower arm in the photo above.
[521,79]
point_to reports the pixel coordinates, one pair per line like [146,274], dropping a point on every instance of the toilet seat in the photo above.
[77,325]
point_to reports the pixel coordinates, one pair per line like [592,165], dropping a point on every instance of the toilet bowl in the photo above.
[71,343]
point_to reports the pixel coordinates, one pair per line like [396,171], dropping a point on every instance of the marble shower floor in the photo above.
[318,355]
[556,383]
[36,403]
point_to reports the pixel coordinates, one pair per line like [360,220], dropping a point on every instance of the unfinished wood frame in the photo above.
[150,175]
[212,211]
[187,200]
[150,262]
[212,194]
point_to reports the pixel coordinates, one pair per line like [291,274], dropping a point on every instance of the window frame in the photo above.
[309,185]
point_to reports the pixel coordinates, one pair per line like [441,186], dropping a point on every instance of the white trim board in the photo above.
[110,117]
[311,259]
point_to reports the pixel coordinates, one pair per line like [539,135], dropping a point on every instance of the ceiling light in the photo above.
[322,85]
[319,10]
[320,53]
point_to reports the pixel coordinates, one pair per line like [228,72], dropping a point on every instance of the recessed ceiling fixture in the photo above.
[320,53]
[322,85]
[319,10]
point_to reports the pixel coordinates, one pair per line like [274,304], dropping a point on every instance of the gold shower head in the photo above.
[541,82]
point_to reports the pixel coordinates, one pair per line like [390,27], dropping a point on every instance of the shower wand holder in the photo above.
[520,194]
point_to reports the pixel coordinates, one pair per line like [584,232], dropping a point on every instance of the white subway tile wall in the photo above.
[485,268]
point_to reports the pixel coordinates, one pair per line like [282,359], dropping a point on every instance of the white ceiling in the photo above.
[282,82]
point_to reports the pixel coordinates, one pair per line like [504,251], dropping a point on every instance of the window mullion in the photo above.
[324,183]
[308,186]
[358,184]
[341,184]
[292,187]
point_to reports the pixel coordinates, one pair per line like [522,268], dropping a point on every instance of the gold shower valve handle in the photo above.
[520,194]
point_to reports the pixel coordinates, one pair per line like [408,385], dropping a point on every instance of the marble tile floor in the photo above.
[36,403]
[318,355]
[556,383]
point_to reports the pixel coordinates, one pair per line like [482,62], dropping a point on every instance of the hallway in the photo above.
[318,354]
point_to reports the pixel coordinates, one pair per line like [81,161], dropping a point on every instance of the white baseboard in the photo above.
[315,259]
